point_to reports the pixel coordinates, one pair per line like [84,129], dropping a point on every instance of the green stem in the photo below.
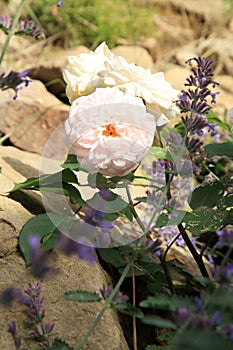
[107,303]
[193,251]
[11,32]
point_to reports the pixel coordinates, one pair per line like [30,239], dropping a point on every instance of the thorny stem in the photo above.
[11,32]
[197,257]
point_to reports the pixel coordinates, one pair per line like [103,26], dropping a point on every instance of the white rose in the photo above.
[110,132]
[102,68]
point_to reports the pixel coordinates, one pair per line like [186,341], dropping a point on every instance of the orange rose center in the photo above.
[109,130]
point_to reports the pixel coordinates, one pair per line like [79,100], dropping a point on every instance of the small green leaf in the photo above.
[59,344]
[166,302]
[159,322]
[219,149]
[158,152]
[82,295]
[207,195]
[128,309]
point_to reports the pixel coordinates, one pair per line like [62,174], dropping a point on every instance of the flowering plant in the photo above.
[174,239]
[101,68]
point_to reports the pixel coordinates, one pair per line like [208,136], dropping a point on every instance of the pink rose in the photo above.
[109,132]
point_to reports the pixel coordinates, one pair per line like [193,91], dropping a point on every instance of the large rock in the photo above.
[71,319]
[135,54]
[50,70]
[32,118]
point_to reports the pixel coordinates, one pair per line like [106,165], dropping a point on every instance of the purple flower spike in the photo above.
[13,80]
[12,329]
[59,4]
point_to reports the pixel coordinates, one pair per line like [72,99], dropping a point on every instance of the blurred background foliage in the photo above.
[90,22]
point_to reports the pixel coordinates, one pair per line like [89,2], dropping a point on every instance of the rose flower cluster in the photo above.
[115,109]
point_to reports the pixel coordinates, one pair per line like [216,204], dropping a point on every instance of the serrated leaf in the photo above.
[204,219]
[82,295]
[154,347]
[158,152]
[206,195]
[59,344]
[43,225]
[219,149]
[128,309]
[166,302]
[159,322]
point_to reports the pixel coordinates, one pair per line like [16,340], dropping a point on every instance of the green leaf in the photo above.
[199,339]
[49,241]
[82,295]
[204,219]
[128,309]
[159,322]
[214,119]
[71,163]
[44,225]
[35,182]
[165,220]
[207,195]
[226,202]
[112,256]
[219,149]
[59,344]
[166,302]
[158,152]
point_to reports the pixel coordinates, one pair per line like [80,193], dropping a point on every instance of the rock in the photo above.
[135,54]
[50,71]
[32,118]
[220,50]
[176,75]
[72,319]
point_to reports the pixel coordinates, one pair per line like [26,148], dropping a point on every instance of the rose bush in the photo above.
[87,72]
[109,132]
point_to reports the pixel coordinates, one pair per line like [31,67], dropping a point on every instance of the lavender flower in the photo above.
[223,273]
[119,297]
[59,4]
[36,313]
[13,80]
[12,329]
[197,100]
[68,246]
[225,237]
[38,258]
[29,27]
[11,294]
[24,27]
[6,23]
